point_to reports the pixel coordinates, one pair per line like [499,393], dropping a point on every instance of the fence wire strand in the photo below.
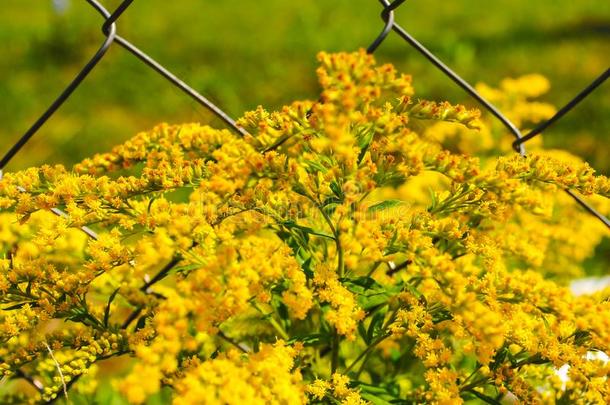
[387,15]
[109,29]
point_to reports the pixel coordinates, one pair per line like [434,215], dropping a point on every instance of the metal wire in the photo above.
[109,30]
[64,94]
[110,19]
[519,144]
[565,109]
[387,14]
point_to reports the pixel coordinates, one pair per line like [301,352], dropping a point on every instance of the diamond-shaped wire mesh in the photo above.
[109,29]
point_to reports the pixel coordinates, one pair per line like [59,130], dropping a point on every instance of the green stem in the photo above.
[335,232]
[534,359]
[340,272]
[231,341]
[471,375]
[340,261]
[373,268]
[278,328]
[334,362]
[474,384]
[484,398]
[369,349]
[365,353]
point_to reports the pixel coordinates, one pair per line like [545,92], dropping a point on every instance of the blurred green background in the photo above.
[244,53]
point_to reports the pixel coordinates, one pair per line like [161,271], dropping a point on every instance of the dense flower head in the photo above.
[365,247]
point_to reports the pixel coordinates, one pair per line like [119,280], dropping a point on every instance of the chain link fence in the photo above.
[111,37]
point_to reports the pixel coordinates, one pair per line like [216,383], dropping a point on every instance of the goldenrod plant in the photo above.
[367,247]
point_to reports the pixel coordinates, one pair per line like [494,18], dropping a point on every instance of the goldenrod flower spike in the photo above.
[369,247]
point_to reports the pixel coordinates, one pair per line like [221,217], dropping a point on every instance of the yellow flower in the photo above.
[381,238]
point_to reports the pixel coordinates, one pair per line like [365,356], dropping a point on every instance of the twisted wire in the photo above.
[519,144]
[109,30]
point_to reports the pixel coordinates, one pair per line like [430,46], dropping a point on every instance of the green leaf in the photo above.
[441,315]
[141,323]
[365,138]
[317,166]
[282,311]
[371,389]
[581,337]
[392,179]
[370,293]
[306,266]
[376,394]
[330,207]
[299,189]
[337,190]
[484,397]
[78,317]
[512,358]
[288,239]
[375,325]
[363,333]
[367,302]
[499,358]
[384,205]
[186,268]
[20,305]
[293,225]
[366,283]
[150,203]
[107,310]
[414,291]
[314,339]
[374,399]
[433,200]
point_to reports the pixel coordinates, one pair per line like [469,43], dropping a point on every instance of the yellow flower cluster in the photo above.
[515,96]
[336,388]
[344,314]
[365,247]
[546,169]
[265,377]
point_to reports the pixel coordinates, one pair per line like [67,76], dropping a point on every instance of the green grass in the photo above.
[243,53]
